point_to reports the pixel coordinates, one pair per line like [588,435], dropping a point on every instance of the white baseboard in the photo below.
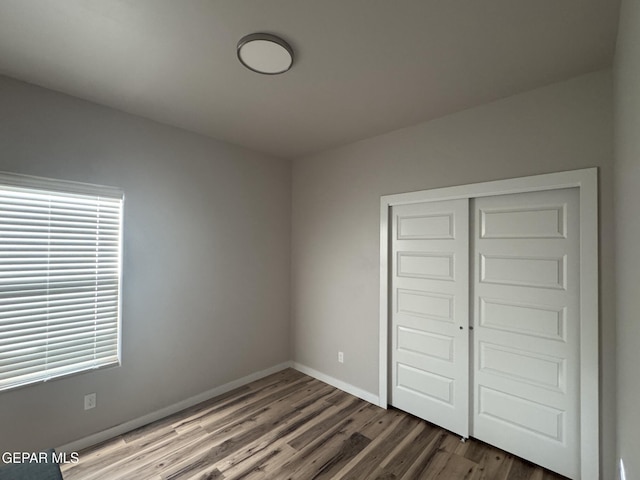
[344,386]
[214,392]
[170,410]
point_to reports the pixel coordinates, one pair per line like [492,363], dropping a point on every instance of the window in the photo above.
[60,259]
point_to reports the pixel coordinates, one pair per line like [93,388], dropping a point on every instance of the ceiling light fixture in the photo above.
[265,53]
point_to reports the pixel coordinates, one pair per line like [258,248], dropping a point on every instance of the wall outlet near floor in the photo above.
[89,401]
[341,357]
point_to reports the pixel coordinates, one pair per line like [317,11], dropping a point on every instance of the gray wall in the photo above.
[627,183]
[206,260]
[335,219]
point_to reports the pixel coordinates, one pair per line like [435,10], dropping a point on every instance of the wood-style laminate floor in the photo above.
[291,426]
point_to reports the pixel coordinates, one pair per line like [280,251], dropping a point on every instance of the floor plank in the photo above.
[289,426]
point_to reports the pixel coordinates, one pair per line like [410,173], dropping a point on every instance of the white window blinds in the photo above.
[60,258]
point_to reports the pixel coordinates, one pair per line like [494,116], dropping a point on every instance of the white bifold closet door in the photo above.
[430,303]
[515,260]
[526,313]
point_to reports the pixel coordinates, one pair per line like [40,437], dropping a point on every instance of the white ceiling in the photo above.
[363,67]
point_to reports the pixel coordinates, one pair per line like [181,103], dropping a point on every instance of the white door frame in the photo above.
[587,182]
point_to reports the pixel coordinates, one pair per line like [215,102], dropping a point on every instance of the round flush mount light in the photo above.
[265,53]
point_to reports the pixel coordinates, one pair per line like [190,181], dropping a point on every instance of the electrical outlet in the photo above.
[89,401]
[341,357]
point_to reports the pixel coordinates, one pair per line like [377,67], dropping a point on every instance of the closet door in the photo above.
[430,312]
[526,326]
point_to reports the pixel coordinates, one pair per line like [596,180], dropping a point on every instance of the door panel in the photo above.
[430,312]
[526,326]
